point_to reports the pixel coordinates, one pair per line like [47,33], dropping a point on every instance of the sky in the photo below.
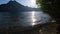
[29,3]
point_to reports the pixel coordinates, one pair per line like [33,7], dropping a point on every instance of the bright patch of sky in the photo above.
[29,3]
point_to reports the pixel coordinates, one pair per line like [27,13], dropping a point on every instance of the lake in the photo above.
[23,18]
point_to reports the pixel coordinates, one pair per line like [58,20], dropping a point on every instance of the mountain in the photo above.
[15,6]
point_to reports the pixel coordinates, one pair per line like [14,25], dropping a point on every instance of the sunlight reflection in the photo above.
[33,24]
[33,18]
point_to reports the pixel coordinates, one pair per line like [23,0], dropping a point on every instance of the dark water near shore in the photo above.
[25,18]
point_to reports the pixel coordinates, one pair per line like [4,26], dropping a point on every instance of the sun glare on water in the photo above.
[33,18]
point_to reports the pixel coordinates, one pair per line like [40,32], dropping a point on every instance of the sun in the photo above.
[33,3]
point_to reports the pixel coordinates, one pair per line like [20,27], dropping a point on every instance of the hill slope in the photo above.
[15,6]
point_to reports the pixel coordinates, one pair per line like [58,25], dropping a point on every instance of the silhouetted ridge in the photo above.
[15,6]
[14,3]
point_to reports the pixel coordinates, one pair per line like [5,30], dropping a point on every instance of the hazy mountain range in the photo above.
[15,6]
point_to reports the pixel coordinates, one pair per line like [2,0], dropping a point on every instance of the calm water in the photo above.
[26,18]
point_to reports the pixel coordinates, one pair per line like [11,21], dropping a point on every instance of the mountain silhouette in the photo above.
[15,6]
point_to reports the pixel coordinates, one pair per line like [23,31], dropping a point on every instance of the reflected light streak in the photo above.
[33,18]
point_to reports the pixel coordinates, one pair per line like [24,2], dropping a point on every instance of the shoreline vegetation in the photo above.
[51,7]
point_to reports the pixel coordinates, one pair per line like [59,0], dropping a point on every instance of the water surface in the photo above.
[23,18]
